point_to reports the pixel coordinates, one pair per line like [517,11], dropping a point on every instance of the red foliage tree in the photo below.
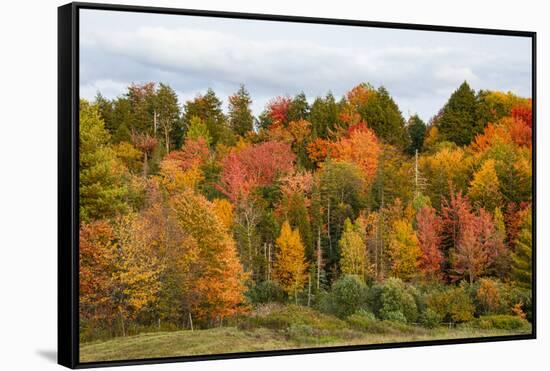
[194,152]
[524,112]
[277,109]
[255,166]
[429,239]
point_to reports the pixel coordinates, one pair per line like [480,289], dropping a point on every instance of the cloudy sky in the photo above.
[419,68]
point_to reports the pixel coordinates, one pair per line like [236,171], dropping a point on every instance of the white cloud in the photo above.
[273,58]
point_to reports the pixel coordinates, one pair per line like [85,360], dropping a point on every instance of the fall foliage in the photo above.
[193,216]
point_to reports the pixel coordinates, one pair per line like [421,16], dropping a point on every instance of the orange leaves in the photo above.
[218,288]
[514,129]
[361,148]
[318,150]
[359,95]
[95,249]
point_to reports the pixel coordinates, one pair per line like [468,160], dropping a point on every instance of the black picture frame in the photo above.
[68,173]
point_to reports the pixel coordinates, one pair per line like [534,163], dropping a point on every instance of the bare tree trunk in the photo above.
[167,139]
[319,258]
[328,227]
[269,261]
[145,164]
[122,325]
[190,321]
[309,289]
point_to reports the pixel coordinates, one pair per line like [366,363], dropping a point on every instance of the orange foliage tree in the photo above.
[219,288]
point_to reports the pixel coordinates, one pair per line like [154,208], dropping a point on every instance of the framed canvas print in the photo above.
[240,185]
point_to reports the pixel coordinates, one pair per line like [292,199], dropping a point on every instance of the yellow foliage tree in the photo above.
[404,250]
[135,267]
[290,265]
[353,251]
[484,188]
[224,211]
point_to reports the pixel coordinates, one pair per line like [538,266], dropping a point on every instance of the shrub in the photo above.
[488,297]
[265,292]
[301,333]
[362,320]
[430,319]
[452,304]
[503,322]
[519,298]
[393,300]
[283,317]
[366,322]
[346,296]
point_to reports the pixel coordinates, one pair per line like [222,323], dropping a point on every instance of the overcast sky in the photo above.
[419,68]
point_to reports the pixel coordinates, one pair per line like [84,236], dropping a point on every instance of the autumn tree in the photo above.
[477,246]
[277,110]
[219,289]
[485,187]
[240,114]
[290,265]
[354,259]
[404,251]
[96,249]
[259,165]
[135,268]
[448,167]
[360,147]
[429,238]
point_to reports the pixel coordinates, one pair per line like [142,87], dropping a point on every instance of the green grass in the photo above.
[271,328]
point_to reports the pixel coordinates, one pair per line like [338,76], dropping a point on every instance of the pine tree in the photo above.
[522,258]
[416,129]
[240,114]
[102,191]
[458,122]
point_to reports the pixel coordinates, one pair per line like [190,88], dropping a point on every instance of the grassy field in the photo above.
[280,328]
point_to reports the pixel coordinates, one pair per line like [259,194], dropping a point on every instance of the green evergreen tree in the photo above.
[299,108]
[240,114]
[416,129]
[522,258]
[384,117]
[102,191]
[458,122]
